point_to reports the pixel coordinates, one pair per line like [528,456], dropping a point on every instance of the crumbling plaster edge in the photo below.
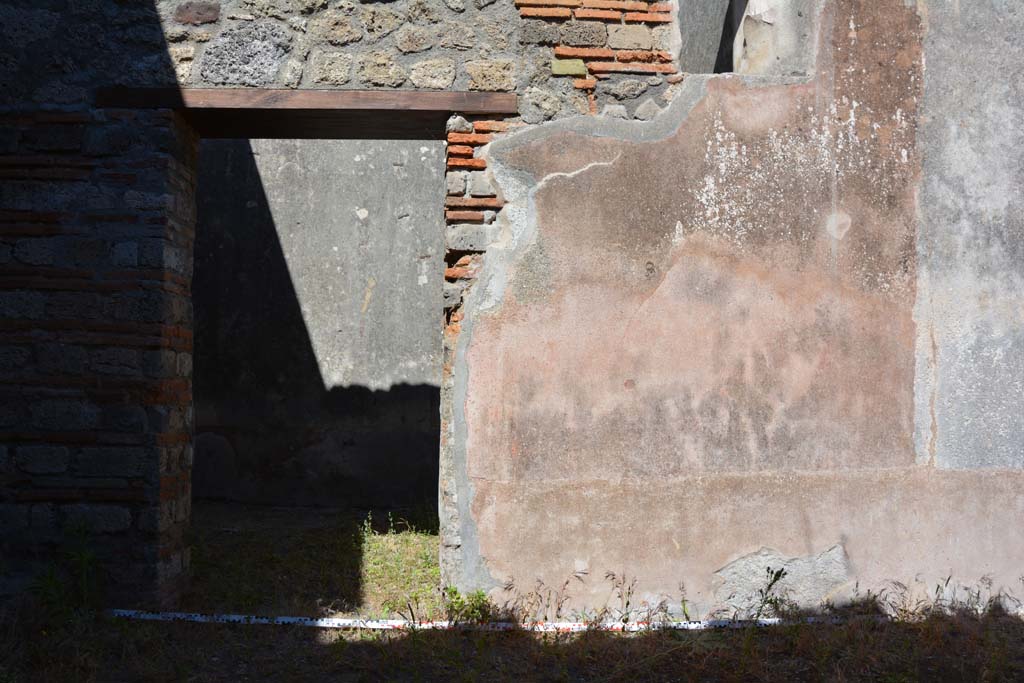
[518,222]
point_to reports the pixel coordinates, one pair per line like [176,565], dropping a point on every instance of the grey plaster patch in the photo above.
[249,54]
[648,110]
[615,111]
[969,379]
[808,582]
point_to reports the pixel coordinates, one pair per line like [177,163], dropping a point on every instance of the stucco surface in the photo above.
[697,338]
[970,311]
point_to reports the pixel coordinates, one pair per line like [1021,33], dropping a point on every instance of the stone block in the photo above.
[291,72]
[453,293]
[65,415]
[455,182]
[113,461]
[157,519]
[336,27]
[568,67]
[480,185]
[538,105]
[583,33]
[424,12]
[42,459]
[626,89]
[433,73]
[379,21]
[615,111]
[184,364]
[411,38]
[72,305]
[458,124]
[246,54]
[647,110]
[125,254]
[35,251]
[470,237]
[331,68]
[491,74]
[380,69]
[83,253]
[197,12]
[630,37]
[160,363]
[98,518]
[457,37]
[129,419]
[115,361]
[537,32]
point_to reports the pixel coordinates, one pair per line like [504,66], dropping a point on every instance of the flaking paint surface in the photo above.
[735,299]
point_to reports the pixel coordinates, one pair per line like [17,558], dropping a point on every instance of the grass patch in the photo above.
[400,572]
[307,561]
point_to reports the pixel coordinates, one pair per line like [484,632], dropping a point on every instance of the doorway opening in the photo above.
[317,295]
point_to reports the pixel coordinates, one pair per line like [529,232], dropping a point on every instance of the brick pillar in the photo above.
[96,229]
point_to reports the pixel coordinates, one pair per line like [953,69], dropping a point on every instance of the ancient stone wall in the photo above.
[564,56]
[694,325]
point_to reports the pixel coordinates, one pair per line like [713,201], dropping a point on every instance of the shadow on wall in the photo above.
[726,52]
[268,430]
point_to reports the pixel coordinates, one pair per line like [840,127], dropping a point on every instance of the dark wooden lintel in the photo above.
[320,100]
[256,113]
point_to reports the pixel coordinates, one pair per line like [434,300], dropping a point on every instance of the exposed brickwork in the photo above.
[615,39]
[96,232]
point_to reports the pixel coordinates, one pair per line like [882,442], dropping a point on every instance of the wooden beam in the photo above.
[308,100]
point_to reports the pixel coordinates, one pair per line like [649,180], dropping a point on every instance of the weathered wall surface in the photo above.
[970,305]
[318,297]
[701,337]
[533,47]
